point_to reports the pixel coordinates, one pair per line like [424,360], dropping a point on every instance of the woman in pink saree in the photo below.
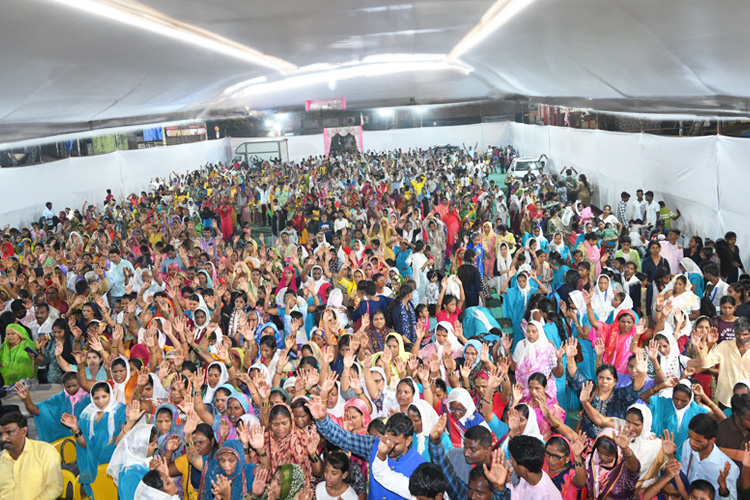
[620,338]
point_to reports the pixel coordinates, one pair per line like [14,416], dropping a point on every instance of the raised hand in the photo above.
[500,472]
[173,443]
[514,422]
[312,443]
[622,440]
[385,445]
[723,476]
[578,445]
[192,421]
[586,391]
[668,445]
[329,383]
[571,347]
[69,421]
[224,429]
[304,494]
[652,350]
[317,408]
[22,391]
[200,379]
[599,347]
[439,428]
[262,478]
[257,437]
[349,359]
[133,411]
[517,391]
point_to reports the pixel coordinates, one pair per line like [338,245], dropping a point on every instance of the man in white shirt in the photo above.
[265,199]
[49,215]
[702,459]
[42,325]
[716,288]
[119,274]
[652,209]
[637,207]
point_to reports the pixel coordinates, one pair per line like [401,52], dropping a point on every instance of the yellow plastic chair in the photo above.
[71,481]
[104,487]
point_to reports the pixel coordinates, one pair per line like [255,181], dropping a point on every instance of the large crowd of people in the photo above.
[395,325]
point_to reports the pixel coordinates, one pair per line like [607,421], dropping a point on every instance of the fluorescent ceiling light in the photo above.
[386,64]
[385,112]
[497,15]
[145,18]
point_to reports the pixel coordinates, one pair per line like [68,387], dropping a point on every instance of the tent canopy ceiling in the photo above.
[70,69]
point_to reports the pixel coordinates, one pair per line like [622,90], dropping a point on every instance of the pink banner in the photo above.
[339,103]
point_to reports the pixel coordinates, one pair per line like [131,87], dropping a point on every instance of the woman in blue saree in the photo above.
[230,463]
[96,432]
[72,399]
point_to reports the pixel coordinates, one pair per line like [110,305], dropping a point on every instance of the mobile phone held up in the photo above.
[31,352]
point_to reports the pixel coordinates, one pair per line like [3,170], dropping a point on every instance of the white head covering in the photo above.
[429,419]
[646,446]
[690,266]
[503,264]
[601,302]
[132,451]
[525,291]
[462,396]
[249,420]
[338,409]
[145,492]
[118,392]
[525,348]
[627,303]
[159,391]
[532,426]
[681,413]
[109,411]
[452,339]
[318,283]
[210,391]
[554,246]
[576,297]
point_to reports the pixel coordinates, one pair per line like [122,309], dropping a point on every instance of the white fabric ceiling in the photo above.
[65,69]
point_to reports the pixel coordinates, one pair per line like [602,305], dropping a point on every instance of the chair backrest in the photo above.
[103,487]
[68,450]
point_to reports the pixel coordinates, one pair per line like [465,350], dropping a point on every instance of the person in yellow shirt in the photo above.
[29,469]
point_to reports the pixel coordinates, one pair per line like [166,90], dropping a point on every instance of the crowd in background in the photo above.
[396,324]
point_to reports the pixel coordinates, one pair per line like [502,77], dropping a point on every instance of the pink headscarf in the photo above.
[283,284]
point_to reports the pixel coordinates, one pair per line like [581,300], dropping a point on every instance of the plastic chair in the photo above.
[104,488]
[67,453]
[70,481]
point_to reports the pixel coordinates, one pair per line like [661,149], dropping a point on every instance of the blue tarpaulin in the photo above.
[153,134]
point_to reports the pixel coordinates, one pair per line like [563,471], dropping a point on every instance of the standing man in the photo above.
[29,470]
[119,273]
[638,207]
[49,216]
[265,200]
[652,209]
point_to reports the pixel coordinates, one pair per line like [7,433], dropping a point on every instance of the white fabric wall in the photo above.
[485,134]
[73,181]
[704,177]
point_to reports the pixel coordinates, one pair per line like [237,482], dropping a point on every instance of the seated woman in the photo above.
[130,460]
[15,362]
[96,432]
[424,417]
[72,399]
[462,415]
[230,464]
[60,345]
[536,354]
